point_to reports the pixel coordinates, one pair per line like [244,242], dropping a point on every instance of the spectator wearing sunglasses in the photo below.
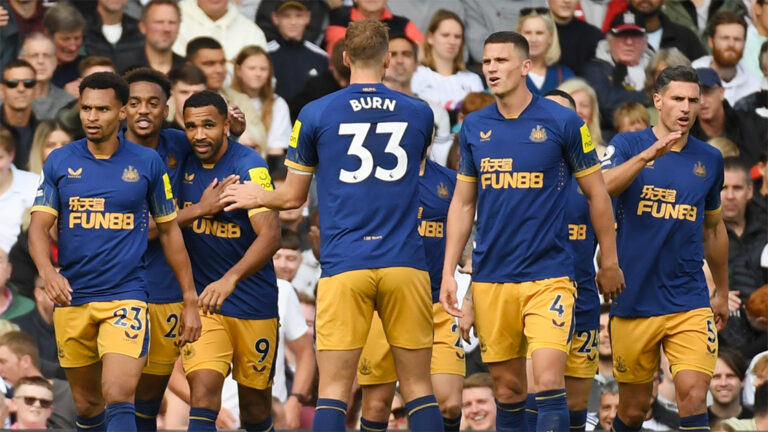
[17,89]
[33,403]
[18,361]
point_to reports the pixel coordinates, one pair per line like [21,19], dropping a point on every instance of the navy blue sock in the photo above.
[330,415]
[578,420]
[510,416]
[265,426]
[372,426]
[202,420]
[553,411]
[146,414]
[424,414]
[452,424]
[531,411]
[698,422]
[96,423]
[620,426]
[121,416]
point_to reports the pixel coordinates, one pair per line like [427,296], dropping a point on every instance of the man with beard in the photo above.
[717,119]
[726,36]
[663,32]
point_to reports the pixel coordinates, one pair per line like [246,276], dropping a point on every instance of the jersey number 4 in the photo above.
[359,132]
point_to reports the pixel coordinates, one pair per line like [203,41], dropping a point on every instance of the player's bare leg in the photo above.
[691,389]
[255,408]
[85,383]
[377,402]
[577,392]
[149,392]
[634,403]
[119,377]
[448,389]
[205,399]
[413,371]
[549,381]
[531,410]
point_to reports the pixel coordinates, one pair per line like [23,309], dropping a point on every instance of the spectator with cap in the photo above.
[65,24]
[578,39]
[662,32]
[39,50]
[219,20]
[725,38]
[717,118]
[112,33]
[618,72]
[17,91]
[339,19]
[294,58]
[315,29]
[159,23]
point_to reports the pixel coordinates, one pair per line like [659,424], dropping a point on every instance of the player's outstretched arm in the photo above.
[267,228]
[172,241]
[56,286]
[290,195]
[716,253]
[209,204]
[461,215]
[610,279]
[619,178]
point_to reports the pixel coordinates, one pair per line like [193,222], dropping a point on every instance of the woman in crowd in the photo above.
[49,135]
[546,73]
[443,77]
[586,107]
[253,77]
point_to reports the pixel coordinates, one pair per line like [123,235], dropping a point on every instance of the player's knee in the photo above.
[255,405]
[692,399]
[508,389]
[88,404]
[202,397]
[375,409]
[118,392]
[450,408]
[634,413]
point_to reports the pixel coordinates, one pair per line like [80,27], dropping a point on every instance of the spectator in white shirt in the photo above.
[17,192]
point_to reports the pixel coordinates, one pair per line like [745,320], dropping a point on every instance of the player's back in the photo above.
[436,187]
[582,243]
[365,144]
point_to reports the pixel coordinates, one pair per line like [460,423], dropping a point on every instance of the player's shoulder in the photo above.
[445,174]
[635,141]
[140,154]
[490,112]
[244,156]
[554,115]
[704,149]
[73,149]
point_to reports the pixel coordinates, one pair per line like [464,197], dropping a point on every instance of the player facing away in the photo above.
[365,144]
[376,370]
[146,110]
[100,188]
[231,254]
[517,158]
[667,185]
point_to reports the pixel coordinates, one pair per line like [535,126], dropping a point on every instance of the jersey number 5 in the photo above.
[359,132]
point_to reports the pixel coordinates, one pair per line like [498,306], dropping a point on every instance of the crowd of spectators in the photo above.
[269,58]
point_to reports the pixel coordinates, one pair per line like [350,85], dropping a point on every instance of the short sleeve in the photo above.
[467,169]
[291,318]
[302,149]
[47,196]
[712,201]
[255,170]
[579,148]
[615,153]
[160,194]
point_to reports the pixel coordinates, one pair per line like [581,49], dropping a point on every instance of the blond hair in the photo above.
[725,145]
[573,85]
[553,53]
[366,40]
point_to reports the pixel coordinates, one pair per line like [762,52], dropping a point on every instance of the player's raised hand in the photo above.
[190,326]
[720,310]
[236,120]
[210,201]
[467,321]
[610,281]
[662,146]
[57,287]
[214,294]
[242,196]
[448,296]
